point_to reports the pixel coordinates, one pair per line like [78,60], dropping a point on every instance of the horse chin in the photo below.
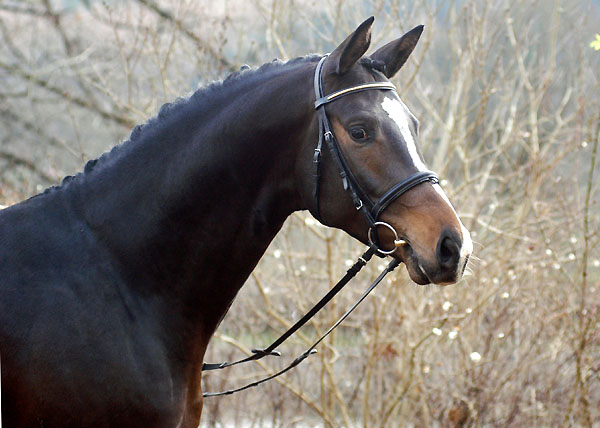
[417,274]
[413,266]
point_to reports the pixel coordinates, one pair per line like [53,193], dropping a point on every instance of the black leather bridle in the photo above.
[362,202]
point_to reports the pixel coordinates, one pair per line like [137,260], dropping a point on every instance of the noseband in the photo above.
[362,202]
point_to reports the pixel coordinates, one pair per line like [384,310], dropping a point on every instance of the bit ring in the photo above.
[397,241]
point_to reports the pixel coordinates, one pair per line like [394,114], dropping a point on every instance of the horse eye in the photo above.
[359,134]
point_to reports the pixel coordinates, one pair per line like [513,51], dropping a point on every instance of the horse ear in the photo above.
[395,53]
[351,49]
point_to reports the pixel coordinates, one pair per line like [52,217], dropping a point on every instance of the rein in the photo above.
[362,202]
[260,353]
[270,350]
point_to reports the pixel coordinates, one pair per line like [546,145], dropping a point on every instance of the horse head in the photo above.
[375,136]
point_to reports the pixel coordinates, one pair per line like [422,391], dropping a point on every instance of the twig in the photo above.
[67,96]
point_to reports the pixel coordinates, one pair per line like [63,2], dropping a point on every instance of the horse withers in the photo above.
[112,284]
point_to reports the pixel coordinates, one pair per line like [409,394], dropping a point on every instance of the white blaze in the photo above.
[397,112]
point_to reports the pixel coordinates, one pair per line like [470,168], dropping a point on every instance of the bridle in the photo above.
[363,203]
[361,200]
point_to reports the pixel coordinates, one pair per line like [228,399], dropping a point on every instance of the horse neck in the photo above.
[189,211]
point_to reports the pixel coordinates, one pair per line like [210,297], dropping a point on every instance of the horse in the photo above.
[112,284]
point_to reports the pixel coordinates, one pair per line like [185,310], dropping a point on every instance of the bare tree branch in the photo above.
[67,96]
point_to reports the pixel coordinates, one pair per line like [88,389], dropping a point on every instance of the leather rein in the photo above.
[362,202]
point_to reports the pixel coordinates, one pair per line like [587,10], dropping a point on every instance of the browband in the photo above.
[359,88]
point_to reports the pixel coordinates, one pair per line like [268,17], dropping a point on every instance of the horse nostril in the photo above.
[448,251]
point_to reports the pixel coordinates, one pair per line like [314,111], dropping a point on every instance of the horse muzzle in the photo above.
[445,266]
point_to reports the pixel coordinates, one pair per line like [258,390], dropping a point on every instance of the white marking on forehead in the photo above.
[397,112]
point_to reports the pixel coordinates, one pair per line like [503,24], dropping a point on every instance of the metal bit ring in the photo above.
[397,241]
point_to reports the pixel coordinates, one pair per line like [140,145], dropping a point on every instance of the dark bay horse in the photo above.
[112,284]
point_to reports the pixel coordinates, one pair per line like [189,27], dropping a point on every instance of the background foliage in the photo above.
[508,97]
